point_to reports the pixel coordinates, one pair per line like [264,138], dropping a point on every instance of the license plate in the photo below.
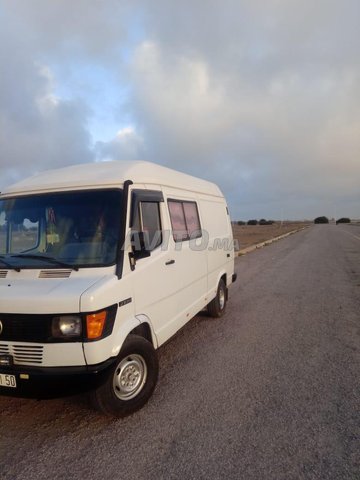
[7,380]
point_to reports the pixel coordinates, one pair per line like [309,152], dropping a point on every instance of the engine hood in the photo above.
[27,293]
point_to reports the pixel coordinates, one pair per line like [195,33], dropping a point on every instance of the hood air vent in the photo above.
[3,273]
[55,274]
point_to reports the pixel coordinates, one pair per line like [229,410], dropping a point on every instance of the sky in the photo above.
[260,97]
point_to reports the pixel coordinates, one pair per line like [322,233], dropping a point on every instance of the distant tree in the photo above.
[266,222]
[252,222]
[241,222]
[343,220]
[321,220]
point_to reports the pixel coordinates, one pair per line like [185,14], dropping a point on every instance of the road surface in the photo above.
[270,391]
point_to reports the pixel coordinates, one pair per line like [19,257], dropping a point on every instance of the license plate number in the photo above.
[7,380]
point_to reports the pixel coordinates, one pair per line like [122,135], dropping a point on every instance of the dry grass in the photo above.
[247,235]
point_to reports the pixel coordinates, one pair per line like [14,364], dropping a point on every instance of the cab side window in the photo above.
[151,225]
[147,220]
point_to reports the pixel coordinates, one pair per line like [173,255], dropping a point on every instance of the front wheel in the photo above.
[131,381]
[217,306]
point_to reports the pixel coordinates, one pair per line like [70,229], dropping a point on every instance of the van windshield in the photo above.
[75,229]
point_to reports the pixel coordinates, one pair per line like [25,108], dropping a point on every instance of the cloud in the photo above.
[37,130]
[260,97]
[42,131]
[63,29]
[293,140]
[127,145]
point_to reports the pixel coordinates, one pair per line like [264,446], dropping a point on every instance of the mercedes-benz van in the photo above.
[100,264]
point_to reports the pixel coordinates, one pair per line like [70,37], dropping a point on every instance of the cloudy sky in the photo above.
[259,96]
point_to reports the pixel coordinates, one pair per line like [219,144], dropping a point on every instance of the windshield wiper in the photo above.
[53,260]
[7,264]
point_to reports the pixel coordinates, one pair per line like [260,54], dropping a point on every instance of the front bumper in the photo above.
[52,382]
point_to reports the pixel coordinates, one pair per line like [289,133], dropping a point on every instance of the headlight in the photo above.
[66,326]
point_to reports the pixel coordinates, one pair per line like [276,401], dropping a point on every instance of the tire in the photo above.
[131,380]
[217,306]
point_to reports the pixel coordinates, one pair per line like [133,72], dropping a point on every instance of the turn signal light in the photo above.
[95,323]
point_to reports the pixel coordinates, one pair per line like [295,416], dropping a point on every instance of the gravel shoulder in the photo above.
[248,235]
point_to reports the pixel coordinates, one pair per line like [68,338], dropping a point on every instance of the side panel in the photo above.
[220,251]
[189,269]
[170,286]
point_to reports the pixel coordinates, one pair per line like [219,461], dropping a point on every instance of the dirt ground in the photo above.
[247,235]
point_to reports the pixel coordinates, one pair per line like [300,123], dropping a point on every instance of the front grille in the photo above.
[26,328]
[3,273]
[23,354]
[27,354]
[4,349]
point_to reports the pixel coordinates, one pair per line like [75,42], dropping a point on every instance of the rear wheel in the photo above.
[217,306]
[131,381]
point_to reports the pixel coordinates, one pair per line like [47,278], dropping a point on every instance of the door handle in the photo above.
[170,262]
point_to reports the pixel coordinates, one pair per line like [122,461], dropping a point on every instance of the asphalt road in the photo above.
[271,391]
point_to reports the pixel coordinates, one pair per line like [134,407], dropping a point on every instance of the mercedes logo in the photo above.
[1,327]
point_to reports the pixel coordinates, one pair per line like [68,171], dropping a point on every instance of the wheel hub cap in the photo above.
[130,377]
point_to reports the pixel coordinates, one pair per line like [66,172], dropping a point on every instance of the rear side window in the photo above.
[192,219]
[185,220]
[178,224]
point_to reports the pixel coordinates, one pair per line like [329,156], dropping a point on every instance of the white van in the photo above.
[100,264]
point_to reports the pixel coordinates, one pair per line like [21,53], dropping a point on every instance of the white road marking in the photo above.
[355,236]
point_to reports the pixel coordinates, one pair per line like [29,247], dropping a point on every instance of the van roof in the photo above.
[110,174]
